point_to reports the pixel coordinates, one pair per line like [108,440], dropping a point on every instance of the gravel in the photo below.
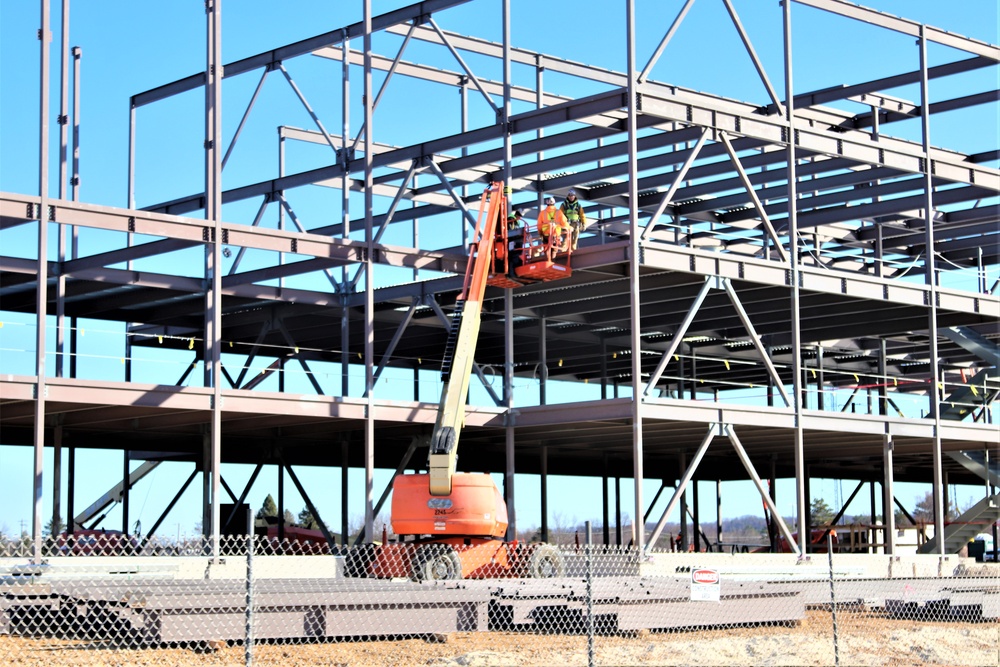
[863,639]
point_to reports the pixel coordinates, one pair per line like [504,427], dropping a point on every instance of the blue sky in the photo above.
[132,47]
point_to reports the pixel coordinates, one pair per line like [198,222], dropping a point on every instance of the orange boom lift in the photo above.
[452,524]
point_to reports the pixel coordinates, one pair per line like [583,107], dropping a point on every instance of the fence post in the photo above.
[590,593]
[248,640]
[833,599]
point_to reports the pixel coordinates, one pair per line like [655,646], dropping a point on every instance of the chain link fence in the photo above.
[120,601]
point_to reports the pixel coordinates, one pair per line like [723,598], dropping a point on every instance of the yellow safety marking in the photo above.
[296,349]
[159,339]
[677,358]
[856,378]
[726,362]
[813,372]
[973,388]
[190,343]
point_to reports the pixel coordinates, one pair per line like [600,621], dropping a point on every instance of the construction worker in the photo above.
[515,239]
[514,220]
[575,216]
[552,221]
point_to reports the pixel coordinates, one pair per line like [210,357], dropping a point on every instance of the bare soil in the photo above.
[863,639]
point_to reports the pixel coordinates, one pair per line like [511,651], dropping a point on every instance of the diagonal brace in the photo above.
[679,335]
[753,197]
[663,42]
[713,431]
[748,325]
[394,342]
[472,77]
[745,460]
[754,58]
[667,198]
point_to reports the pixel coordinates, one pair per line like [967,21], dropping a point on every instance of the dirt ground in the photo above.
[863,639]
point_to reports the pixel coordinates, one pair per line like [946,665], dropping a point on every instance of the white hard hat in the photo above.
[550,201]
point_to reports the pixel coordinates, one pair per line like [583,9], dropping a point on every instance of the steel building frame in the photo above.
[732,246]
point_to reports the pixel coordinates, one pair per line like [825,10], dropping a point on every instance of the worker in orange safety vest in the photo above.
[552,221]
[575,216]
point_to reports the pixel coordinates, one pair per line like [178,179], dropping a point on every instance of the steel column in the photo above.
[930,279]
[544,481]
[369,283]
[508,298]
[634,266]
[888,511]
[213,253]
[41,291]
[793,245]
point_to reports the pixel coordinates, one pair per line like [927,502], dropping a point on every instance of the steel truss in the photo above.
[806,220]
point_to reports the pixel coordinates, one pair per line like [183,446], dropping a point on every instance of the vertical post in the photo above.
[63,120]
[248,639]
[773,493]
[793,254]
[41,292]
[685,536]
[508,297]
[71,491]
[930,279]
[213,253]
[543,359]
[57,440]
[820,380]
[545,492]
[833,599]
[130,184]
[369,282]
[75,183]
[587,548]
[345,529]
[696,522]
[634,295]
[125,491]
[618,510]
[718,515]
[281,504]
[605,501]
[345,206]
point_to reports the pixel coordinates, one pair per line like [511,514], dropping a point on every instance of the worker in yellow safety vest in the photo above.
[551,220]
[575,216]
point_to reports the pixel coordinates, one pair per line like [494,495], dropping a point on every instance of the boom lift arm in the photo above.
[484,249]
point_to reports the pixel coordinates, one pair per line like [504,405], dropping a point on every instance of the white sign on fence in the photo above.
[704,584]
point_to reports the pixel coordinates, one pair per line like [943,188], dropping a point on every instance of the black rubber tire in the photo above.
[436,562]
[546,562]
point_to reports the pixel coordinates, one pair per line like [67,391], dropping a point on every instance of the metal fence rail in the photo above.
[170,604]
